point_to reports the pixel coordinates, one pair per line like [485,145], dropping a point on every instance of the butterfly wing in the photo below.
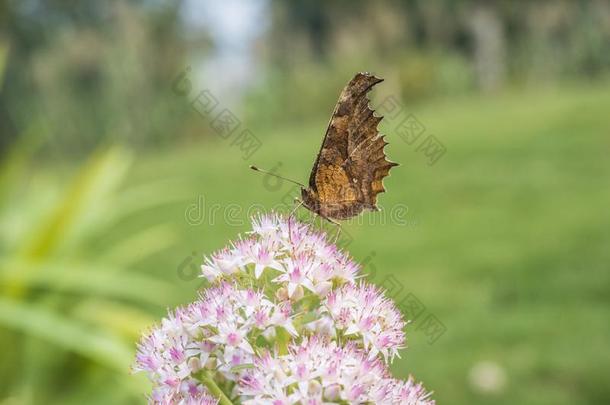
[349,170]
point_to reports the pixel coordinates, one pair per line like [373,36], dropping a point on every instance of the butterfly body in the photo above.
[343,209]
[348,172]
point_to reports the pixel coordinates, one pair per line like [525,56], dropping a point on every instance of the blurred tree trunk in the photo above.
[487,28]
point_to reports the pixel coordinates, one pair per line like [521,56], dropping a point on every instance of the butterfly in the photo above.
[348,172]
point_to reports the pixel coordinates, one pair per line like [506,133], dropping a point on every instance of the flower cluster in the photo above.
[214,332]
[301,258]
[285,321]
[362,310]
[319,371]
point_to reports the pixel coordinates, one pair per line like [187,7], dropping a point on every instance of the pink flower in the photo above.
[284,322]
[318,371]
[362,310]
[187,392]
[303,257]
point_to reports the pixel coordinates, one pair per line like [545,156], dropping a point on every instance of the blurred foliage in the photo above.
[426,49]
[99,160]
[60,286]
[102,73]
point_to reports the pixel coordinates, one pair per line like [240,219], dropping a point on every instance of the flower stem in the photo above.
[214,389]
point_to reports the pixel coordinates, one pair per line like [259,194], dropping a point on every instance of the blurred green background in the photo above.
[112,185]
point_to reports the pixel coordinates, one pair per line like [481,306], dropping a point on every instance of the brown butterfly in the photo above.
[349,170]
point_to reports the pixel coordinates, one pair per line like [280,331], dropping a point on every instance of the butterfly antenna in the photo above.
[275,175]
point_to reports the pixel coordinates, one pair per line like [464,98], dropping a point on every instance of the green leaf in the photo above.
[241,367]
[140,245]
[88,279]
[101,173]
[282,338]
[122,320]
[70,335]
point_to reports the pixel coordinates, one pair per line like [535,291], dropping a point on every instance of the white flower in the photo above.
[282,323]
[363,310]
[318,371]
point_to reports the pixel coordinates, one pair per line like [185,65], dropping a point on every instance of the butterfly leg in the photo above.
[292,213]
[296,207]
[339,229]
[337,224]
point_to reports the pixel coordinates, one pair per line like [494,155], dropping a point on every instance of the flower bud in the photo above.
[314,388]
[211,363]
[298,293]
[194,364]
[282,294]
[331,393]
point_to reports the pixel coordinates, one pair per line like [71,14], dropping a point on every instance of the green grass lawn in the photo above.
[507,240]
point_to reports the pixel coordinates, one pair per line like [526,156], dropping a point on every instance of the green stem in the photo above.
[214,389]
